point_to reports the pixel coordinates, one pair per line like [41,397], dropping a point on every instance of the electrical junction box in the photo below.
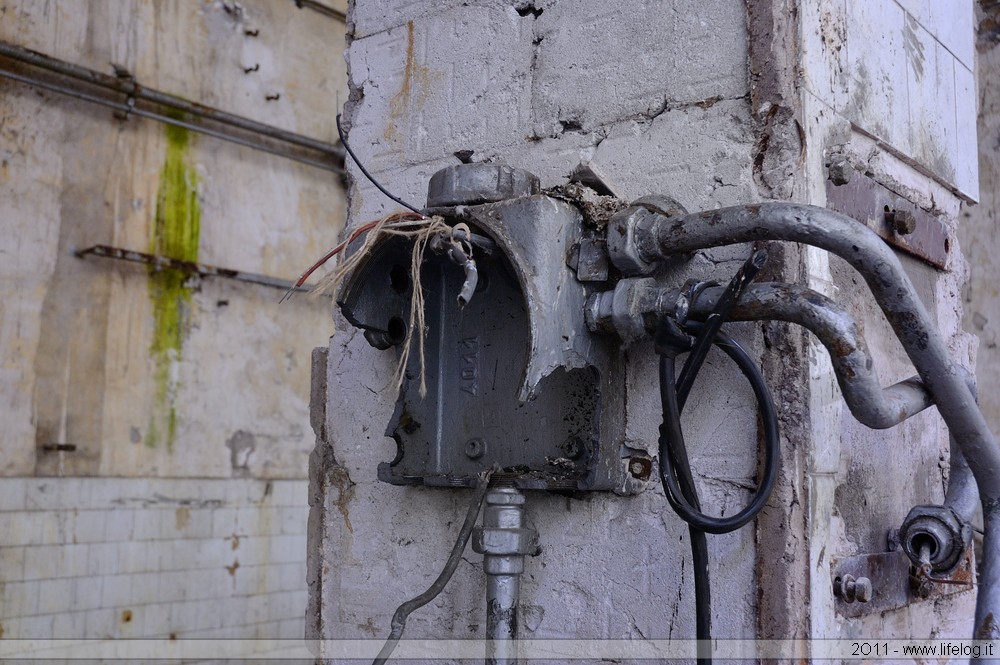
[514,377]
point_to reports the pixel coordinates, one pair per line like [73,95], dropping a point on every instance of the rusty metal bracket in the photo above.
[894,582]
[896,220]
[161,262]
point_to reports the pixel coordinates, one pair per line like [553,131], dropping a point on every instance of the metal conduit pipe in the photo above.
[872,405]
[962,495]
[504,541]
[626,310]
[638,239]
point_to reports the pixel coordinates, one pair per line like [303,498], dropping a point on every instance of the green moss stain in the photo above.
[175,233]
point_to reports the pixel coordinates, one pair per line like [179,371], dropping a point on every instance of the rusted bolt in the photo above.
[920,585]
[475,448]
[574,448]
[640,467]
[863,589]
[839,170]
[850,590]
[903,222]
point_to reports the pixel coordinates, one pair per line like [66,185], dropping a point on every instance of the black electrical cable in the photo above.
[404,610]
[343,139]
[673,401]
[675,470]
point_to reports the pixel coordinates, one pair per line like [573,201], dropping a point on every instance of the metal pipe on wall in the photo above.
[330,156]
[504,541]
[872,405]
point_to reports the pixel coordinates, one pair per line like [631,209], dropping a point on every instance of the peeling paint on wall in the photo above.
[176,230]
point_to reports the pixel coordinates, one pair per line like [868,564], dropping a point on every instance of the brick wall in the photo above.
[113,557]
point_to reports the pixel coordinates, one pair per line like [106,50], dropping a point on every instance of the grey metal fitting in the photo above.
[632,310]
[630,229]
[503,538]
[623,246]
[935,535]
[469,184]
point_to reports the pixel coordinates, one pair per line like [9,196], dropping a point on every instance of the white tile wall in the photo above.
[107,557]
[901,71]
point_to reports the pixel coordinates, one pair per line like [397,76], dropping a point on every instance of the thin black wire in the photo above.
[404,610]
[343,139]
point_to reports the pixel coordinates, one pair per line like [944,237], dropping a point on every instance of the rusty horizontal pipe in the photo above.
[323,9]
[134,92]
[189,267]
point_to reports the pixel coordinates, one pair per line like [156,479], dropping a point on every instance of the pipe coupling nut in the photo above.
[935,535]
[495,541]
[623,244]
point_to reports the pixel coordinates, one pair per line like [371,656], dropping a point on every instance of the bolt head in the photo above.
[862,589]
[640,467]
[840,171]
[475,448]
[903,222]
[623,249]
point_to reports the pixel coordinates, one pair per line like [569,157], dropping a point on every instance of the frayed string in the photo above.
[420,231]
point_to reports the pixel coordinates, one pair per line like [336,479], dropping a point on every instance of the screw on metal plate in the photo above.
[475,448]
[903,222]
[850,590]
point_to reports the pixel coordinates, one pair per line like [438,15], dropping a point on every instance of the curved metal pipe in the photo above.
[652,237]
[962,494]
[872,405]
[656,237]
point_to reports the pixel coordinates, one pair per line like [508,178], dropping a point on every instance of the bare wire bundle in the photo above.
[420,231]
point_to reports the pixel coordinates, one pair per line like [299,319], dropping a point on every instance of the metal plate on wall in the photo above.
[893,583]
[868,201]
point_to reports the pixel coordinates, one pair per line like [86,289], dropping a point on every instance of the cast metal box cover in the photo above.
[514,377]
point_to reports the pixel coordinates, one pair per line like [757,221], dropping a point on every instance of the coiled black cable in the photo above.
[675,469]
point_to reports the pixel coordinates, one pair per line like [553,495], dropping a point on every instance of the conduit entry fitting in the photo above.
[504,541]
[527,375]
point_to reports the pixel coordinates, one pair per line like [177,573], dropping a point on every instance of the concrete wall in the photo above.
[178,396]
[714,104]
[889,86]
[978,233]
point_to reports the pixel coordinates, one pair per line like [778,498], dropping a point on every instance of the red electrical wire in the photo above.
[364,228]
